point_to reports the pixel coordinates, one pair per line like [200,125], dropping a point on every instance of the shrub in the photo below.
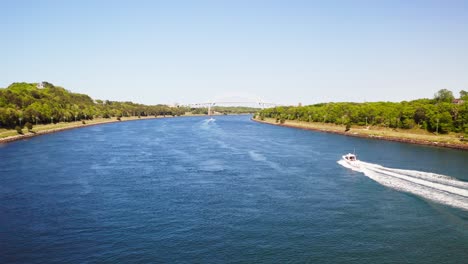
[408,124]
[19,130]
[83,122]
[118,118]
[282,120]
[29,126]
[348,127]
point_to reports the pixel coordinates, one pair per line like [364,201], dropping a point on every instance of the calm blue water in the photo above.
[186,190]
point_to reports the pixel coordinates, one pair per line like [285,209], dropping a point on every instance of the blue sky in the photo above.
[195,51]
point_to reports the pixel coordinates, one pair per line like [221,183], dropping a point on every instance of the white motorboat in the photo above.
[350,157]
[351,160]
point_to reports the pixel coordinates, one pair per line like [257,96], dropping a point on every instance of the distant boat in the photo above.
[211,120]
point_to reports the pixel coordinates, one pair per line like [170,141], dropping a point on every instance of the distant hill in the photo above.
[46,103]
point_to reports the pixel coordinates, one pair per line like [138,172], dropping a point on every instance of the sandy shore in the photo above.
[446,141]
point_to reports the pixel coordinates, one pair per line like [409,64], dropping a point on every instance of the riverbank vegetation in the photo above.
[440,115]
[7,135]
[44,103]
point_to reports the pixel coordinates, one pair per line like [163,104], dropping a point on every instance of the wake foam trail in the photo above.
[261,158]
[346,165]
[435,187]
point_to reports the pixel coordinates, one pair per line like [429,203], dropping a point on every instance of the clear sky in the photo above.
[282,51]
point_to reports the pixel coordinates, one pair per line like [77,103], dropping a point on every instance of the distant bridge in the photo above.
[231,103]
[256,104]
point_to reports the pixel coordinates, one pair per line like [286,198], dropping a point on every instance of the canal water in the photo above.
[228,190]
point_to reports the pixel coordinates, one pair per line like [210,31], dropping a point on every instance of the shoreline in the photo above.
[76,125]
[401,139]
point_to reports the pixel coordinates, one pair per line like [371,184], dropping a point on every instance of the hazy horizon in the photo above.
[155,52]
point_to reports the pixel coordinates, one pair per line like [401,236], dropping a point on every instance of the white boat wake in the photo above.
[435,187]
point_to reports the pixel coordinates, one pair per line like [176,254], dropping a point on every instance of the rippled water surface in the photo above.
[189,190]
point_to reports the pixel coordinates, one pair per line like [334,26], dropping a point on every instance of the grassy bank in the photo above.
[8,135]
[414,136]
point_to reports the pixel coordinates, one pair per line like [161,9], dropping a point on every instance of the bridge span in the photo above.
[257,104]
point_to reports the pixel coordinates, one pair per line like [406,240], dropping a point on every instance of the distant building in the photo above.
[299,104]
[458,101]
[40,85]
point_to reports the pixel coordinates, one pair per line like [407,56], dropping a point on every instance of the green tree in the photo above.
[29,126]
[444,95]
[463,95]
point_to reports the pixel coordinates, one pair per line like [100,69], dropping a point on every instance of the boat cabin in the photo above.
[350,157]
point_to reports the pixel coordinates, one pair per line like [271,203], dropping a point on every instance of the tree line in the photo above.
[441,114]
[22,103]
